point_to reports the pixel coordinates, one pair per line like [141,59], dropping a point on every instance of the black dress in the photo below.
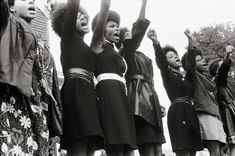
[117,119]
[80,115]
[183,124]
[141,93]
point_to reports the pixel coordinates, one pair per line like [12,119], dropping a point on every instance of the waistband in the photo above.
[110,76]
[79,73]
[185,99]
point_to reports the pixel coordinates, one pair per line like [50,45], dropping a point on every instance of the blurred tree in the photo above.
[212,40]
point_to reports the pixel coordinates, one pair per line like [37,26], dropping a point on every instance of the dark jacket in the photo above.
[205,95]
[17,52]
[225,99]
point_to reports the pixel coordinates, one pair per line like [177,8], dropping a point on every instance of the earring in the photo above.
[12,10]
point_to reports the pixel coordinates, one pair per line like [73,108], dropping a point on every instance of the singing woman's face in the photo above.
[112,32]
[201,64]
[25,9]
[82,24]
[173,60]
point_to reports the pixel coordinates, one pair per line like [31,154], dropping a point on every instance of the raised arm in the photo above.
[138,31]
[140,26]
[142,10]
[69,27]
[190,38]
[98,39]
[190,60]
[4,13]
[223,69]
[160,57]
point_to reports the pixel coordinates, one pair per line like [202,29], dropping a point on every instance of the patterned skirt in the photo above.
[23,126]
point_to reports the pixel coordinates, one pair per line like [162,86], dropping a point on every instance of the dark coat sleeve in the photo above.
[191,66]
[131,45]
[221,77]
[4,14]
[69,27]
[161,60]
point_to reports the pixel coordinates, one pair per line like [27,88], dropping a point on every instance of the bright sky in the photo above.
[169,18]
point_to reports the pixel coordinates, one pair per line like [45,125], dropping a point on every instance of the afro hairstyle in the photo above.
[169,48]
[112,16]
[184,57]
[213,66]
[58,17]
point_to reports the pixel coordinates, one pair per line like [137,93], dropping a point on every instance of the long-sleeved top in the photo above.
[139,77]
[205,95]
[175,84]
[75,53]
[17,50]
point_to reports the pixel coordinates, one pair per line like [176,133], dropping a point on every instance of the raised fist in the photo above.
[152,35]
[188,34]
[229,48]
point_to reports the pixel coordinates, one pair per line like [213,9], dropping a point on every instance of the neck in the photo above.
[82,36]
[29,23]
[175,69]
[109,41]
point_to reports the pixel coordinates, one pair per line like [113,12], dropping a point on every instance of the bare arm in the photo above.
[98,39]
[142,10]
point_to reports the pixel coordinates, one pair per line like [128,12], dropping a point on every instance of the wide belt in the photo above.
[185,99]
[110,76]
[79,73]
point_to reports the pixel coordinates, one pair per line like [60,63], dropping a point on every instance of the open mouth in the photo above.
[116,35]
[205,66]
[83,24]
[32,8]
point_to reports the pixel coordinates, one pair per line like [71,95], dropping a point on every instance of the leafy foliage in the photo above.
[212,40]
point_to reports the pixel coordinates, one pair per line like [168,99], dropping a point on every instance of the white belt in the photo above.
[110,76]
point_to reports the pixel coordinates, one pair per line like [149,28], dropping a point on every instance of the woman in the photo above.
[207,109]
[219,69]
[140,86]
[117,118]
[24,98]
[82,133]
[182,120]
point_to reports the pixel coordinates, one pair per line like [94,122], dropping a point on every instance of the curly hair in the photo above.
[213,66]
[58,17]
[184,57]
[112,16]
[169,48]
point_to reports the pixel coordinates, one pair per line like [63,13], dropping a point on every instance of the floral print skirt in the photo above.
[23,126]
